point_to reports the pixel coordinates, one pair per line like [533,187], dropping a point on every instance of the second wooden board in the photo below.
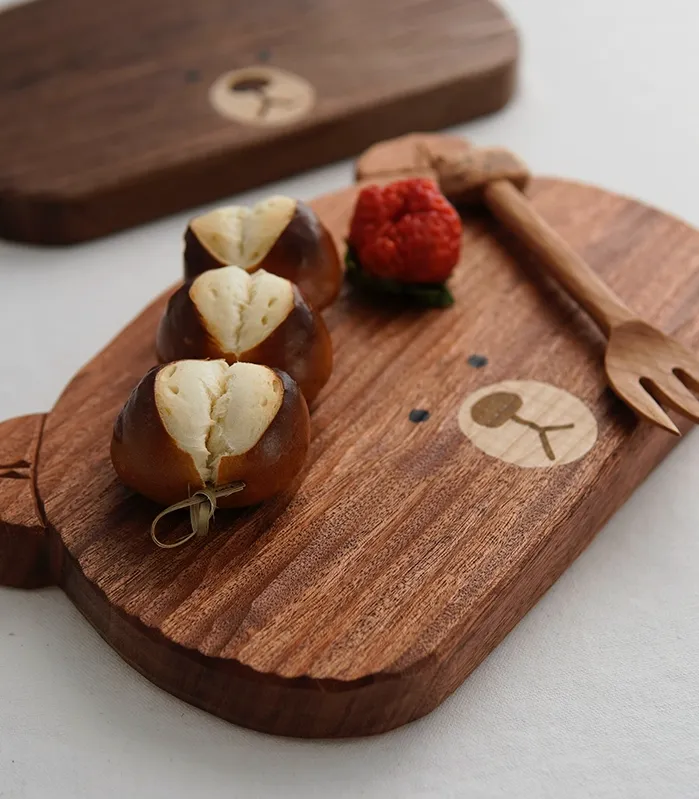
[116,113]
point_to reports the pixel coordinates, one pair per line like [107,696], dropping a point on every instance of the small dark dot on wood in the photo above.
[418,415]
[192,75]
[477,361]
[264,55]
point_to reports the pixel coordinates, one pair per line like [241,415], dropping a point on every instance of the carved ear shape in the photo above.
[24,556]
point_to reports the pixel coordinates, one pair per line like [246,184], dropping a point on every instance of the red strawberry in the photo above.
[406,231]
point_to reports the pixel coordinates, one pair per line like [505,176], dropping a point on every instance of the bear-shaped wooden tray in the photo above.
[424,527]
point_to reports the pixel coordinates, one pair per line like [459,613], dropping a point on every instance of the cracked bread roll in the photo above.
[257,318]
[195,424]
[279,234]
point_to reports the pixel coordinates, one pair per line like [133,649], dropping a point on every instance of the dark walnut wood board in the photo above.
[362,601]
[107,118]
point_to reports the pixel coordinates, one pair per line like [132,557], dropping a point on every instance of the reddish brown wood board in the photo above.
[362,601]
[108,121]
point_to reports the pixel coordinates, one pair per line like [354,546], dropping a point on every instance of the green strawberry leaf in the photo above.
[427,295]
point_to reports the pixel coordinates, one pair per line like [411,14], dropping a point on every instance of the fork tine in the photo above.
[635,395]
[671,391]
[688,375]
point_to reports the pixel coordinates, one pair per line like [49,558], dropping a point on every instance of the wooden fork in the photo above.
[644,366]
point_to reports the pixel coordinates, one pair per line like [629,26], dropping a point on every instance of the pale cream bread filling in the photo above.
[213,410]
[243,236]
[240,310]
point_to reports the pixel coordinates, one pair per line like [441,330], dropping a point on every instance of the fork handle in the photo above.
[513,209]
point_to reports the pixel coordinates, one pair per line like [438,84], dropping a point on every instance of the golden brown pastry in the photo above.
[280,234]
[198,424]
[257,318]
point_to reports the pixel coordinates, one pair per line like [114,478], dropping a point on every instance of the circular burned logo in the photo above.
[262,95]
[528,423]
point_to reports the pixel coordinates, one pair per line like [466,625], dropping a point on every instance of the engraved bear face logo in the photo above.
[262,95]
[528,423]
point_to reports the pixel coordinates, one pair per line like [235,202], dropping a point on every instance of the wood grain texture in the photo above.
[555,255]
[407,554]
[644,366]
[107,121]
[23,540]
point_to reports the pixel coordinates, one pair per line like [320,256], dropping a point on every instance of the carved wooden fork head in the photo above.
[646,368]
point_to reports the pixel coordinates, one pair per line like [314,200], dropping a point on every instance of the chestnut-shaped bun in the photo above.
[280,234]
[259,318]
[192,424]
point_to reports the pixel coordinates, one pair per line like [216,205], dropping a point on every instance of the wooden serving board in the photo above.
[116,113]
[408,552]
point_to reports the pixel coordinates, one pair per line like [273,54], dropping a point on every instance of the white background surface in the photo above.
[595,693]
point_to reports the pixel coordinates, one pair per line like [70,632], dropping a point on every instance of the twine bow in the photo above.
[202,506]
